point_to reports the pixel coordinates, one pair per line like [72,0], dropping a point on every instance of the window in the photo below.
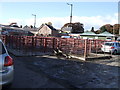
[2,49]
[118,44]
[109,44]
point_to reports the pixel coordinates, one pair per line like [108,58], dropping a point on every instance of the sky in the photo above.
[91,14]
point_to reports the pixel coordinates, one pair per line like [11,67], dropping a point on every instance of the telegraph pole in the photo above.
[34,20]
[70,12]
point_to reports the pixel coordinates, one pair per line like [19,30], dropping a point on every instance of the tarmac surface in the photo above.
[27,78]
[52,72]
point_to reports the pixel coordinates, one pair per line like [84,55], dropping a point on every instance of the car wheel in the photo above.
[6,87]
[115,52]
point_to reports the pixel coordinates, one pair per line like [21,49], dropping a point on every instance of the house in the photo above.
[47,30]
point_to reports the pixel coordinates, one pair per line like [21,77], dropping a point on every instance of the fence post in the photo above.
[85,49]
[57,42]
[20,46]
[90,43]
[96,42]
[45,44]
[53,43]
[33,44]
[95,45]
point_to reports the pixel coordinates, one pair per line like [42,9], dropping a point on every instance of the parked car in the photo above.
[65,36]
[111,47]
[118,39]
[6,66]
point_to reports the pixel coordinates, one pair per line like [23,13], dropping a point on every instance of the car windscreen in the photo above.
[109,44]
[118,44]
[2,49]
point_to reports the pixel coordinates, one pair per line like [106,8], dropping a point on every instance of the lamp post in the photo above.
[71,12]
[34,20]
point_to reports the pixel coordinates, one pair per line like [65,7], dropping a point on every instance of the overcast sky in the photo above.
[91,14]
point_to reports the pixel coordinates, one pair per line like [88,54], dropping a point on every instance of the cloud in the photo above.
[58,22]
[96,21]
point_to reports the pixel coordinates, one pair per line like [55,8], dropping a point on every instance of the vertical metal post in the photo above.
[71,12]
[34,20]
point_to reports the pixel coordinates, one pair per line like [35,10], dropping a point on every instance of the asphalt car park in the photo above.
[51,72]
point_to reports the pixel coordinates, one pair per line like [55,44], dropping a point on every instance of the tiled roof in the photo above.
[51,27]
